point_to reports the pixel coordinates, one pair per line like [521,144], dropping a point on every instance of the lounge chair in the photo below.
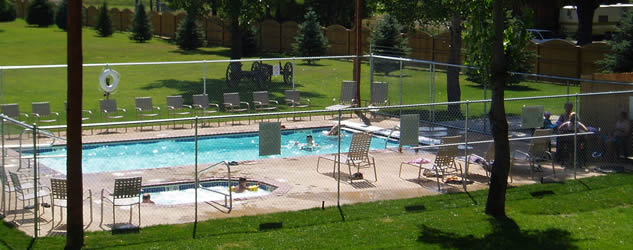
[145,109]
[27,194]
[358,156]
[203,107]
[42,113]
[176,107]
[232,104]
[26,182]
[293,99]
[110,111]
[13,110]
[485,162]
[261,102]
[379,96]
[537,152]
[348,97]
[59,191]
[127,192]
[443,164]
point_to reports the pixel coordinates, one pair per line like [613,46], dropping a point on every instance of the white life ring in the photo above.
[115,80]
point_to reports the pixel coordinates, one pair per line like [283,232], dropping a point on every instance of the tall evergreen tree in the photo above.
[189,35]
[40,13]
[61,15]
[386,40]
[104,21]
[141,25]
[7,11]
[310,41]
[621,57]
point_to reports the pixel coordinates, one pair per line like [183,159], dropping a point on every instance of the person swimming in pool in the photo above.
[309,145]
[333,131]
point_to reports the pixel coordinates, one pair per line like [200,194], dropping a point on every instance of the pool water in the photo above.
[148,154]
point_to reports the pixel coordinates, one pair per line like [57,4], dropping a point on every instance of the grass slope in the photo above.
[589,213]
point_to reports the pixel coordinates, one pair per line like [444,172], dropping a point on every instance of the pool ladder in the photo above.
[228,198]
[394,129]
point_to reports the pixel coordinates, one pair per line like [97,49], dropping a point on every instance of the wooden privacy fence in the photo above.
[558,58]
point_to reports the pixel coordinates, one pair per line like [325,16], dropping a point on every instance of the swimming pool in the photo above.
[145,154]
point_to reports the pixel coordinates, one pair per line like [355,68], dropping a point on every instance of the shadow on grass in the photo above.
[505,234]
[514,87]
[224,52]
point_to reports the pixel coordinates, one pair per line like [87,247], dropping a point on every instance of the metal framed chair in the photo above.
[110,111]
[145,110]
[13,110]
[444,162]
[379,96]
[202,106]
[292,98]
[177,108]
[261,102]
[127,192]
[41,112]
[59,198]
[27,194]
[26,182]
[538,151]
[232,104]
[347,98]
[358,156]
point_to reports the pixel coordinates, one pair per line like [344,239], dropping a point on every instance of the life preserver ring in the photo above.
[115,80]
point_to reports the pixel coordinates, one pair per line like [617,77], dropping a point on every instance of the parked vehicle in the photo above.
[541,36]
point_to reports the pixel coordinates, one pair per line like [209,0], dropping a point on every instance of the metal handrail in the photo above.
[228,205]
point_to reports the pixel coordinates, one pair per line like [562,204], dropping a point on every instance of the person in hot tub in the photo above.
[241,187]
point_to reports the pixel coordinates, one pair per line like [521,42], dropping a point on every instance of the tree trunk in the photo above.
[236,38]
[495,205]
[585,10]
[453,90]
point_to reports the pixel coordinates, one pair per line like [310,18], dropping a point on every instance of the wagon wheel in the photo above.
[288,73]
[233,74]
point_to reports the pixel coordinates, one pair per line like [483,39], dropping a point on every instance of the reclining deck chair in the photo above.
[110,111]
[261,102]
[145,109]
[444,162]
[13,110]
[232,104]
[59,191]
[537,152]
[42,113]
[358,156]
[127,192]
[293,99]
[176,107]
[379,96]
[202,106]
[26,182]
[348,97]
[24,194]
[485,162]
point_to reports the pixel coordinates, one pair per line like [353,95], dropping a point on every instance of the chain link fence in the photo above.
[174,157]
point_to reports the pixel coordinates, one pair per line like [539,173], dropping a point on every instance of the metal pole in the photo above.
[371,69]
[401,86]
[1,87]
[433,92]
[75,228]
[35,184]
[485,107]
[567,91]
[4,209]
[294,68]
[359,53]
[338,160]
[575,135]
[204,79]
[197,181]
[466,146]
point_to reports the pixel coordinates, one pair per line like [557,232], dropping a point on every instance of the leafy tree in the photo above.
[621,57]
[104,21]
[141,25]
[250,41]
[340,12]
[40,13]
[189,35]
[386,40]
[7,11]
[310,41]
[61,15]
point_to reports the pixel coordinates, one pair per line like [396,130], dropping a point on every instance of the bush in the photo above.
[7,11]
[386,40]
[141,25]
[104,22]
[40,13]
[61,15]
[621,57]
[310,41]
[189,35]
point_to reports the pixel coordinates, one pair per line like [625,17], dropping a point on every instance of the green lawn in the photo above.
[24,45]
[592,213]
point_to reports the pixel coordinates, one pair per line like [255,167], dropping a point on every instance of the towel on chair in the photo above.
[420,160]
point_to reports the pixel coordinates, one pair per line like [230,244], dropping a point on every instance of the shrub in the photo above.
[40,13]
[621,57]
[189,35]
[104,22]
[7,11]
[141,25]
[310,41]
[386,40]
[61,15]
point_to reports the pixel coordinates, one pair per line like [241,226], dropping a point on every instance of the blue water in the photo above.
[212,149]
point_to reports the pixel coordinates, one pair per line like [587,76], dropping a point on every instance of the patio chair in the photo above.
[537,152]
[59,191]
[379,96]
[485,162]
[347,98]
[176,107]
[13,110]
[127,192]
[261,102]
[232,104]
[42,113]
[145,109]
[24,194]
[202,106]
[26,182]
[109,110]
[293,99]
[358,155]
[443,164]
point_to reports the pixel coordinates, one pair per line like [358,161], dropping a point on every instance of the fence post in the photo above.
[466,147]
[338,162]
[567,91]
[371,68]
[1,87]
[35,184]
[4,209]
[575,134]
[294,68]
[485,107]
[204,79]
[197,182]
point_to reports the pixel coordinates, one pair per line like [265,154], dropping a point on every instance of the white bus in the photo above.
[605,18]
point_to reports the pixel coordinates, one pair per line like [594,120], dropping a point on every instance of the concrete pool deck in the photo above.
[303,186]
